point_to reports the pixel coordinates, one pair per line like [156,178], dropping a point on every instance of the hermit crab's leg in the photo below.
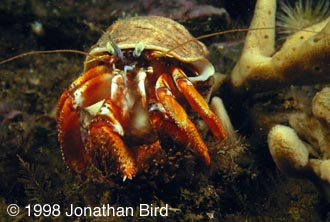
[198,103]
[186,131]
[68,118]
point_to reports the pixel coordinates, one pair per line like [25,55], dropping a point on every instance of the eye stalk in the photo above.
[112,47]
[139,47]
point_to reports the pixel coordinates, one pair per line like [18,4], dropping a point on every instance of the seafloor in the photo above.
[242,183]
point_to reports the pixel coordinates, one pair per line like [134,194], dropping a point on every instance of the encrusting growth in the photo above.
[310,159]
[302,59]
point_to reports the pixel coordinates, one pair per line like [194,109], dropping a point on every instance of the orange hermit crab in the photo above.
[134,91]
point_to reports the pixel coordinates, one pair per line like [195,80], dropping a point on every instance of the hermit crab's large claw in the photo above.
[104,143]
[70,136]
[68,116]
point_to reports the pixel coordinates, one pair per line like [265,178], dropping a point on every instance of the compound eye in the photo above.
[139,47]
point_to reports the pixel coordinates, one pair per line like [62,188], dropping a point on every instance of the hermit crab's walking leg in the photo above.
[198,103]
[186,131]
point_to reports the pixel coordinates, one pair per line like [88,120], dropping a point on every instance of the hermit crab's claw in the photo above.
[68,116]
[104,143]
[70,135]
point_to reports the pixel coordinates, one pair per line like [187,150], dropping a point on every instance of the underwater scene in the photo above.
[154,110]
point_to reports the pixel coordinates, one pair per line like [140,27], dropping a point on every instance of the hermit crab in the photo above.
[137,88]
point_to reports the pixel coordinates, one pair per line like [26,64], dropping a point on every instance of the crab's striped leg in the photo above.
[198,103]
[181,128]
[92,83]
